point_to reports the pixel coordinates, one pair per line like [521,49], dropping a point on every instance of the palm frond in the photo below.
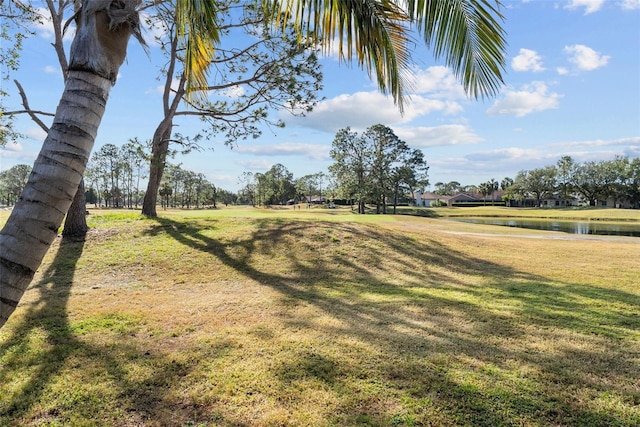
[372,32]
[468,35]
[197,23]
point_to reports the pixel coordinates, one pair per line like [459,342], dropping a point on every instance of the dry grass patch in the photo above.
[260,320]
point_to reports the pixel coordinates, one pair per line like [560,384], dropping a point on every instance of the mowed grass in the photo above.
[256,317]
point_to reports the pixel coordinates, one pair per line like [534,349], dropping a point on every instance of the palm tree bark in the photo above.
[98,50]
[34,221]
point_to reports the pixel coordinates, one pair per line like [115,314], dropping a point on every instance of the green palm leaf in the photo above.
[468,34]
[373,32]
[376,33]
[197,23]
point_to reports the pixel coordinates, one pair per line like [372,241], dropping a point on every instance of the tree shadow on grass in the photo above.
[427,311]
[50,374]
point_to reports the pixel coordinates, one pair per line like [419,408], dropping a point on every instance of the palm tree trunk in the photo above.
[97,52]
[35,219]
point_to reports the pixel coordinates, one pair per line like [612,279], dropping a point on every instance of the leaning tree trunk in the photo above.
[159,150]
[98,50]
[75,224]
[161,139]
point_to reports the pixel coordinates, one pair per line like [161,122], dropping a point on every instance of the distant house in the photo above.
[611,203]
[318,200]
[557,202]
[426,198]
[464,198]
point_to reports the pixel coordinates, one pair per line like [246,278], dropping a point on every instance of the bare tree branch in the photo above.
[32,113]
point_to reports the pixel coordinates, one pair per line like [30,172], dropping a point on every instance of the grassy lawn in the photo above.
[312,317]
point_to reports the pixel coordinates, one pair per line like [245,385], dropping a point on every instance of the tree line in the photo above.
[567,181]
[277,186]
[591,181]
[114,176]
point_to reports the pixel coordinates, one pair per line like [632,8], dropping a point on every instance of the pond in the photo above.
[573,227]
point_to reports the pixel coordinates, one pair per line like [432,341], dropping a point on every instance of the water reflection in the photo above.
[573,227]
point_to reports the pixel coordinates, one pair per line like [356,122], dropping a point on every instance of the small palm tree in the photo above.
[374,33]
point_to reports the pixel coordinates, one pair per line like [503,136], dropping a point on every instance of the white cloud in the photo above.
[510,160]
[223,181]
[311,151]
[527,60]
[44,26]
[437,136]
[579,150]
[432,90]
[232,92]
[562,71]
[50,69]
[36,133]
[532,98]
[13,146]
[361,110]
[630,142]
[256,165]
[585,58]
[590,6]
[152,30]
[502,154]
[331,50]
[13,153]
[632,151]
[438,81]
[631,4]
[160,88]
[477,167]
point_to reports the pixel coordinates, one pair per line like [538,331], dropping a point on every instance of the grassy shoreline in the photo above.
[573,213]
[265,317]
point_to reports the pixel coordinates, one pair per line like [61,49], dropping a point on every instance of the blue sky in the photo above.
[572,87]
